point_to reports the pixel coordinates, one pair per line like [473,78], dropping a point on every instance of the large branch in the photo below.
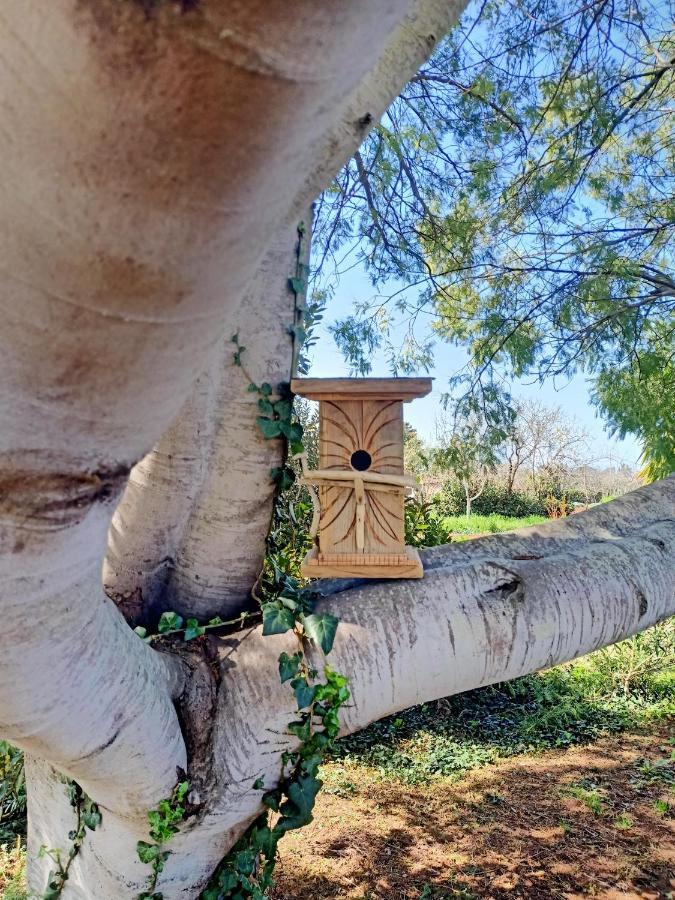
[486,611]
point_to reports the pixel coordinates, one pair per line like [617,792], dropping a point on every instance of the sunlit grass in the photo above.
[492,524]
[12,872]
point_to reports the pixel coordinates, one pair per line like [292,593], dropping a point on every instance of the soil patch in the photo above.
[597,821]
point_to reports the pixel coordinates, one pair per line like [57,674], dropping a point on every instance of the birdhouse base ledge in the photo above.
[362,565]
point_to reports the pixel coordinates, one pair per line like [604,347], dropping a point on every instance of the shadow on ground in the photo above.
[597,821]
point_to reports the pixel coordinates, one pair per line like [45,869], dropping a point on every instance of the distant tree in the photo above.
[415,456]
[521,189]
[639,398]
[545,440]
[469,450]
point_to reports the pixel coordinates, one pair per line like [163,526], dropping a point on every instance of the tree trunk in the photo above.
[148,188]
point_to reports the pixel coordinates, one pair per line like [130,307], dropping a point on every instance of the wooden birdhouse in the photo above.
[359,488]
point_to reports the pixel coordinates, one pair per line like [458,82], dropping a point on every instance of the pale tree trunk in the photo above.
[151,193]
[189,533]
[466,484]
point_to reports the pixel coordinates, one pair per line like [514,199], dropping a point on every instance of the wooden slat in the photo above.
[411,568]
[361,388]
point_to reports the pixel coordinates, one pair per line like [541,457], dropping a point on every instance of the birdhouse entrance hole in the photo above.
[359,488]
[361,460]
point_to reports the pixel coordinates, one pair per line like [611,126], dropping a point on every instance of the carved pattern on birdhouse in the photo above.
[359,488]
[362,436]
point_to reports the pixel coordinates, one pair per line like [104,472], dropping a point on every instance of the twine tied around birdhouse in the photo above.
[360,482]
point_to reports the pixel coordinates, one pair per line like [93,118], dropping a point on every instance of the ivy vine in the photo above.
[247,870]
[286,605]
[88,818]
[163,822]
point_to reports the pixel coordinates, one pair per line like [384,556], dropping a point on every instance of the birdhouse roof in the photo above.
[361,388]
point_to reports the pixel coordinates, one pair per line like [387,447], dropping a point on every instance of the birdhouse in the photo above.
[359,488]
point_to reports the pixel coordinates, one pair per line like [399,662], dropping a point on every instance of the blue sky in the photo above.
[571,395]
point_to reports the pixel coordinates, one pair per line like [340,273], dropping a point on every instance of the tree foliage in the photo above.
[520,194]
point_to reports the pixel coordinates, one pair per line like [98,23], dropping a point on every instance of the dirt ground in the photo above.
[597,821]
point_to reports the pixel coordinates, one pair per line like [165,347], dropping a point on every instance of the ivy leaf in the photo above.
[270,428]
[271,800]
[304,693]
[321,629]
[265,389]
[169,621]
[193,630]
[265,407]
[147,853]
[311,764]
[283,477]
[244,861]
[277,619]
[291,430]
[289,666]
[259,784]
[91,817]
[301,728]
[226,882]
[140,631]
[297,285]
[297,810]
[283,409]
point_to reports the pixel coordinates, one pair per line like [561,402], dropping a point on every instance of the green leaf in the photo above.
[300,728]
[283,409]
[265,388]
[91,818]
[265,407]
[140,631]
[226,882]
[321,629]
[304,693]
[289,666]
[270,428]
[293,431]
[310,765]
[277,619]
[297,810]
[271,800]
[193,630]
[259,784]
[297,285]
[283,477]
[169,621]
[147,853]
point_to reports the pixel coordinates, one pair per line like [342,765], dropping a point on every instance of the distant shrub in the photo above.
[423,524]
[494,499]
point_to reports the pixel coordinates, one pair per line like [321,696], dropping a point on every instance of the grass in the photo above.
[492,524]
[574,822]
